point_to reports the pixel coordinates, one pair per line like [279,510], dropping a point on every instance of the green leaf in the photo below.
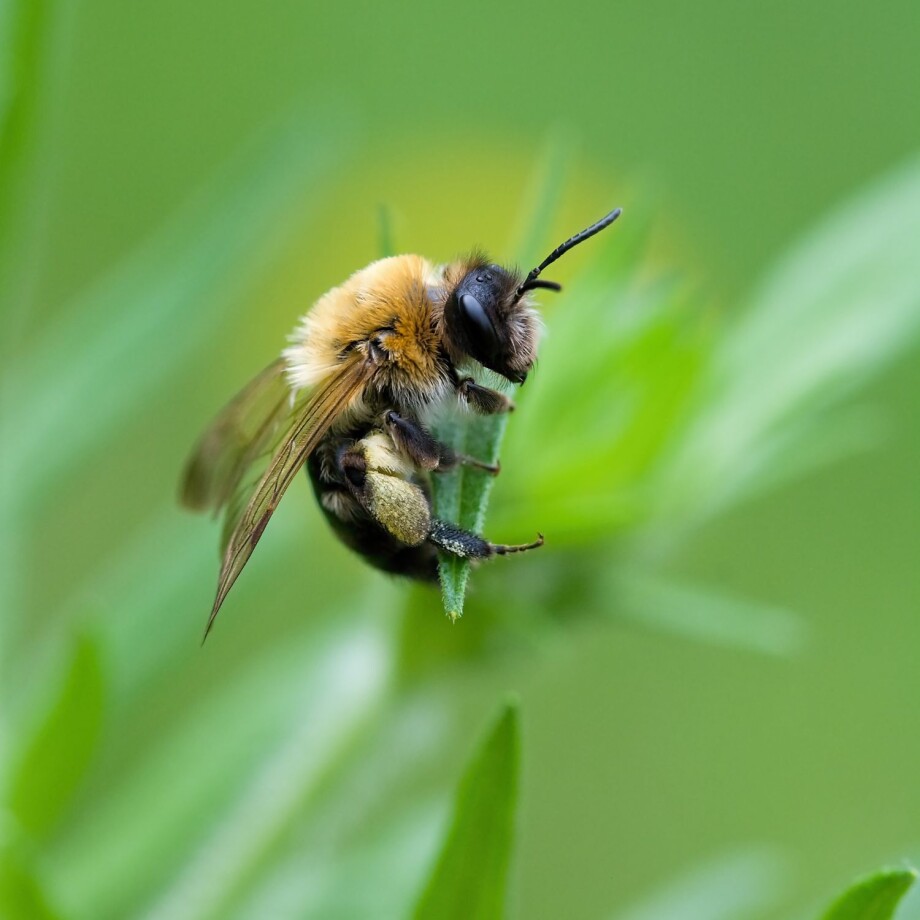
[873,898]
[462,496]
[253,752]
[24,29]
[836,311]
[616,377]
[55,760]
[363,850]
[469,880]
[23,35]
[158,307]
[705,614]
[733,886]
[154,311]
[21,894]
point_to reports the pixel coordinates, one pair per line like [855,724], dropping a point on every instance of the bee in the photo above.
[352,399]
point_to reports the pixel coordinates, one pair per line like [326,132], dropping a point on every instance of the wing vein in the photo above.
[306,430]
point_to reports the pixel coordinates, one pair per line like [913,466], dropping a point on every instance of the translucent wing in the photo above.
[243,430]
[309,422]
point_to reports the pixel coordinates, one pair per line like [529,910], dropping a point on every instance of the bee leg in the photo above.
[465,460]
[427,451]
[400,507]
[352,465]
[466,545]
[482,399]
[416,441]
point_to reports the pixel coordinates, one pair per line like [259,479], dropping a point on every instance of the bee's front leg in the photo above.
[425,449]
[482,399]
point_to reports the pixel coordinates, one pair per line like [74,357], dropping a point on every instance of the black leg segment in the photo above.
[482,399]
[466,545]
[424,449]
[419,443]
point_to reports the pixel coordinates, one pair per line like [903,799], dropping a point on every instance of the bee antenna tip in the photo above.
[531,282]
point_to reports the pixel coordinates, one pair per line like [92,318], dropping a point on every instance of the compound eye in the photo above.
[479,327]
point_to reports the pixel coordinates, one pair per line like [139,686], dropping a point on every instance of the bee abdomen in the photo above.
[399,549]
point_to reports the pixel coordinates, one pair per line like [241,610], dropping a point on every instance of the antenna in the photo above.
[530,282]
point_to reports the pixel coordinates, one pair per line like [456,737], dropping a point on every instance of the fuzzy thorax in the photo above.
[384,312]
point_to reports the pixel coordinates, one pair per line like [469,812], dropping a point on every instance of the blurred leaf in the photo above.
[159,628]
[614,385]
[386,246]
[427,650]
[56,759]
[241,843]
[23,31]
[734,886]
[375,876]
[153,311]
[469,880]
[160,631]
[872,898]
[462,496]
[23,62]
[364,849]
[841,307]
[241,763]
[702,613]
[21,894]
[659,419]
[158,308]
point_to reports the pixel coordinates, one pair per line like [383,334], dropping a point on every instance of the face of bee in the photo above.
[488,319]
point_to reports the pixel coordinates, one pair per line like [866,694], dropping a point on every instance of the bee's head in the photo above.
[487,320]
[489,316]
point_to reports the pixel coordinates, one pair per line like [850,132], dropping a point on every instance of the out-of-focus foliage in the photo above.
[873,898]
[252,790]
[841,306]
[187,278]
[302,764]
[733,886]
[469,879]
[23,43]
[679,417]
[60,749]
[21,894]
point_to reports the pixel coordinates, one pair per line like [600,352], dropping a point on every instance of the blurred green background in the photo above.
[716,653]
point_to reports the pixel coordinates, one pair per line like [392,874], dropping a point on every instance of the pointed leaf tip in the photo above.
[875,897]
[62,744]
[469,878]
[462,496]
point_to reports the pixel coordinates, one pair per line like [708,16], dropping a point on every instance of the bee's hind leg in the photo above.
[403,509]
[466,545]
